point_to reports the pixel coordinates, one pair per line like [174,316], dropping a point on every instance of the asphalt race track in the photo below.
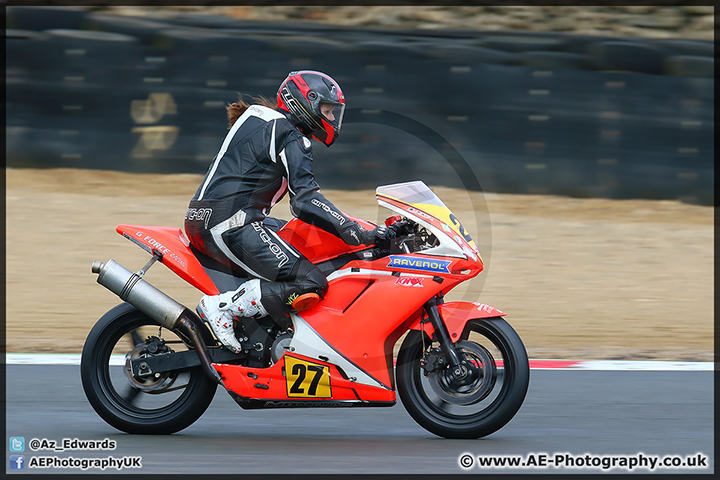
[599,413]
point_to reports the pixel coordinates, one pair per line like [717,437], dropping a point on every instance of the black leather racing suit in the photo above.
[263,157]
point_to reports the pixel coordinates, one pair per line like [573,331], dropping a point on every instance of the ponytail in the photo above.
[236,109]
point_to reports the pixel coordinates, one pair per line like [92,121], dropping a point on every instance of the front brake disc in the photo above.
[482,368]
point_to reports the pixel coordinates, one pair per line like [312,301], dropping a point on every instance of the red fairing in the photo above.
[273,383]
[317,244]
[175,248]
[456,314]
[345,318]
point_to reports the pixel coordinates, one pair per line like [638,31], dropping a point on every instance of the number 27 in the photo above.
[300,370]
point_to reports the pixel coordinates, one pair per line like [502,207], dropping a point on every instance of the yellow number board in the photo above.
[446,216]
[307,379]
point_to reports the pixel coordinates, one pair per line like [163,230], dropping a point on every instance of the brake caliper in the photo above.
[153,346]
[432,360]
[157,345]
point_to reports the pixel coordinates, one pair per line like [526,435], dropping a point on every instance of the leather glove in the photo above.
[383,233]
[353,234]
[403,227]
[377,235]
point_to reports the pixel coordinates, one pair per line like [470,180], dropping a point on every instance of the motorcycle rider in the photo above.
[266,154]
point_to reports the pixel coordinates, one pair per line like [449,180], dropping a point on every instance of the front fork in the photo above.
[459,368]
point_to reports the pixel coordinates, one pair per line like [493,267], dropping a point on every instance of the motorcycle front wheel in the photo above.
[477,406]
[163,403]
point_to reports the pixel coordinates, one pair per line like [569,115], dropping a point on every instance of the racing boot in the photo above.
[220,321]
[220,310]
[245,301]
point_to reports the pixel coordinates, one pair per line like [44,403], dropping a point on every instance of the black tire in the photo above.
[121,403]
[492,400]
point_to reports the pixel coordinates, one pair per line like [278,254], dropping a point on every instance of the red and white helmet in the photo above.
[316,103]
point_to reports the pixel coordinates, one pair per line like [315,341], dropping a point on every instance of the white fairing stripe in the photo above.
[237,220]
[259,111]
[348,271]
[306,341]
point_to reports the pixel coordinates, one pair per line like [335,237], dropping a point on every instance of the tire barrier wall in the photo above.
[527,113]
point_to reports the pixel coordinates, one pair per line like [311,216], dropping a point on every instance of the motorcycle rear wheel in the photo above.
[158,405]
[468,411]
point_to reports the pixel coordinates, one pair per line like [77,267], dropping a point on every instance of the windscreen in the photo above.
[418,196]
[411,193]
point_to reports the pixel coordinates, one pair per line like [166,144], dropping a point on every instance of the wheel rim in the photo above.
[480,378]
[132,396]
[481,398]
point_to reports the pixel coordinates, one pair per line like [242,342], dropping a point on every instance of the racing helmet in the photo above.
[316,103]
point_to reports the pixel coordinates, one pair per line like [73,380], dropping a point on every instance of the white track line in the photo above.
[616,365]
[53,359]
[627,365]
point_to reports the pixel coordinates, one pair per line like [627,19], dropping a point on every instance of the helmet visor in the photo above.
[333,113]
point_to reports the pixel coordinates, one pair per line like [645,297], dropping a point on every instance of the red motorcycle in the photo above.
[151,366]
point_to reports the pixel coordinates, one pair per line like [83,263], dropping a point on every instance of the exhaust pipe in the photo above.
[131,288]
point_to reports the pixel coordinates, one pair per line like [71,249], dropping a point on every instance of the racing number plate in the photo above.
[307,379]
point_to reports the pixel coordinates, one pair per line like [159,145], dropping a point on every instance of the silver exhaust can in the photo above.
[131,288]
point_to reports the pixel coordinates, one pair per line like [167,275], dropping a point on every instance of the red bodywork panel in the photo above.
[363,315]
[176,252]
[455,315]
[282,382]
[316,244]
